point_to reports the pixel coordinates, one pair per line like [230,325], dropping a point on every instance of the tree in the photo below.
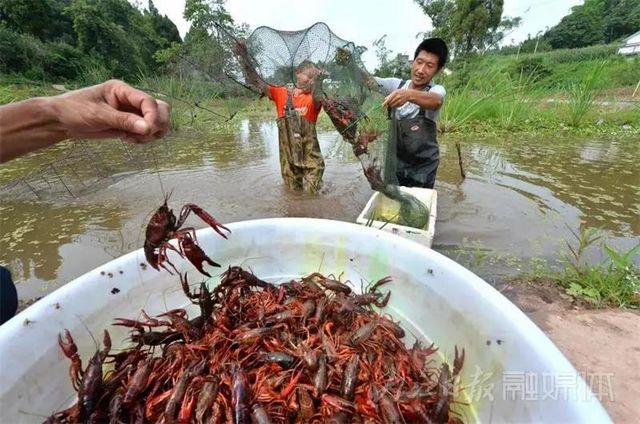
[210,15]
[596,22]
[117,34]
[622,18]
[382,52]
[582,27]
[44,19]
[209,41]
[63,38]
[468,25]
[163,27]
[398,67]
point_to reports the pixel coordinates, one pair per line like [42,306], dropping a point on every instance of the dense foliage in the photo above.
[66,39]
[468,25]
[596,22]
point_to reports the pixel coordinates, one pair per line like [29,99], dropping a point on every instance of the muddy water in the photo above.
[67,210]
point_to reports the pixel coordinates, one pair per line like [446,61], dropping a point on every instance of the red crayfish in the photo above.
[164,226]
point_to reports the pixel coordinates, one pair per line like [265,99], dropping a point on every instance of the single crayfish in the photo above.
[164,226]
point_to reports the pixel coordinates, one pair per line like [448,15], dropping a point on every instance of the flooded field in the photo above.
[67,210]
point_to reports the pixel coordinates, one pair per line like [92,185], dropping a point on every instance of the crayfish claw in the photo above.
[382,303]
[124,322]
[380,282]
[206,217]
[195,254]
[68,346]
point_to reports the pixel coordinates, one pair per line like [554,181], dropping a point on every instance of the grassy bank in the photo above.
[615,281]
[544,93]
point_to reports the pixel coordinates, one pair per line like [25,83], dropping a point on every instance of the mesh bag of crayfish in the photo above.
[345,90]
[308,350]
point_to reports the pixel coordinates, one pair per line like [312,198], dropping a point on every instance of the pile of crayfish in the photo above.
[308,350]
[343,117]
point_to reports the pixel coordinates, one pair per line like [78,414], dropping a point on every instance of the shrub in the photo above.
[531,67]
[62,61]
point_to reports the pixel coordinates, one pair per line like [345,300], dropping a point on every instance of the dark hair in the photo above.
[435,46]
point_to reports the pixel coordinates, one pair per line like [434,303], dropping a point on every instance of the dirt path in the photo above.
[603,344]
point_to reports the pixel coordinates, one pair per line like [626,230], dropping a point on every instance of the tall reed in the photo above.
[463,104]
[581,95]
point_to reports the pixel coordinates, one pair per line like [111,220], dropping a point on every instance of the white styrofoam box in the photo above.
[379,202]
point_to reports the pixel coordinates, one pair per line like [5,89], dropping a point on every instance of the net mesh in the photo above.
[79,168]
[347,94]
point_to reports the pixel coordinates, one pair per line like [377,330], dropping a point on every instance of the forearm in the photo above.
[251,76]
[425,100]
[27,126]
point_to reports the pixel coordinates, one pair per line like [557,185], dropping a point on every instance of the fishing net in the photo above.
[78,168]
[345,90]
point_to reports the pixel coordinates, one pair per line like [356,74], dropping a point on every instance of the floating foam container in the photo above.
[434,298]
[380,209]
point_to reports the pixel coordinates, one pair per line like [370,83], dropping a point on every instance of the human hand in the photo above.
[397,98]
[112,109]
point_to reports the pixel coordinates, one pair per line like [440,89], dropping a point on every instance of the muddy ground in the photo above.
[603,343]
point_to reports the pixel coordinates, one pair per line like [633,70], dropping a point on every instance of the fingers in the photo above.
[136,112]
[126,122]
[142,104]
[389,100]
[395,99]
[164,119]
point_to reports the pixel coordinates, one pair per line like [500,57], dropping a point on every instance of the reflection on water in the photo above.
[34,235]
[524,197]
[519,201]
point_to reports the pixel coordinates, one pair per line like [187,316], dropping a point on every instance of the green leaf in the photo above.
[575,289]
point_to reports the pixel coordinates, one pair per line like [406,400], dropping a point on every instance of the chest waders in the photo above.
[301,162]
[417,151]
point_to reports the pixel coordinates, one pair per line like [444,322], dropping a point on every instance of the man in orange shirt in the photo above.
[301,162]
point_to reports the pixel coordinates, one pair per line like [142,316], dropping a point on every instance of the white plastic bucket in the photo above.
[433,296]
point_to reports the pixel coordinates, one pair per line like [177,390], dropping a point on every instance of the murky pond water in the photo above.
[69,209]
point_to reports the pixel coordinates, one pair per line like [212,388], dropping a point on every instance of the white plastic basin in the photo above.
[433,296]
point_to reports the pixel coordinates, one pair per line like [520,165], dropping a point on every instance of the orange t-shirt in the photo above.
[302,102]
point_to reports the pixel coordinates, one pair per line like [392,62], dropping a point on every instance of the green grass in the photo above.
[582,95]
[13,89]
[196,104]
[615,281]
[492,99]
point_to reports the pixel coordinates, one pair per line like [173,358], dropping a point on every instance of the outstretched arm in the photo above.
[250,73]
[109,110]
